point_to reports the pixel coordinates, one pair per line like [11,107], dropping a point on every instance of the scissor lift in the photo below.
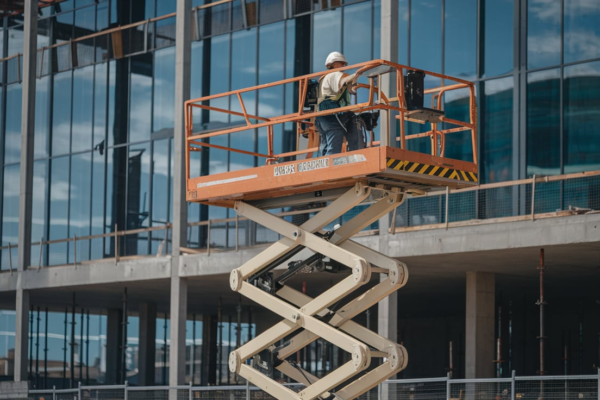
[380,177]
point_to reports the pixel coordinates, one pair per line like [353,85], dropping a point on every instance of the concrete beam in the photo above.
[27,133]
[484,236]
[480,319]
[89,274]
[21,335]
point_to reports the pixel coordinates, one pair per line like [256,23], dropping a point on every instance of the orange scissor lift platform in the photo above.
[379,176]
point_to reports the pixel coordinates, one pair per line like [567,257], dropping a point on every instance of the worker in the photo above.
[334,92]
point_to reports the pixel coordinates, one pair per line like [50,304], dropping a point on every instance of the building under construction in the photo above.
[112,271]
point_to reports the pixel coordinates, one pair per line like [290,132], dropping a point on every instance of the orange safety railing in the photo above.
[376,100]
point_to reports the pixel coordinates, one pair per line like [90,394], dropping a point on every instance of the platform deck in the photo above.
[389,166]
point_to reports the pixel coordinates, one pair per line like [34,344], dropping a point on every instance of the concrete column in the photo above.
[389,52]
[27,133]
[178,318]
[480,319]
[26,185]
[21,335]
[183,52]
[178,313]
[114,352]
[147,346]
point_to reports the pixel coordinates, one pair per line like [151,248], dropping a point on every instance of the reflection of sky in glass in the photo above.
[59,211]
[327,37]
[357,33]
[460,37]
[581,117]
[140,98]
[83,107]
[496,135]
[10,213]
[61,121]
[543,33]
[498,35]
[543,122]
[426,35]
[38,209]
[164,88]
[42,133]
[160,181]
[456,106]
[582,30]
[12,137]
[15,40]
[79,216]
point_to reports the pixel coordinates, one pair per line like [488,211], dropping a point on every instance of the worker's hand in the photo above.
[352,87]
[350,82]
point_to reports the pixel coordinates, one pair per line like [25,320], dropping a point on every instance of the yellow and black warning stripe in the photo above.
[432,170]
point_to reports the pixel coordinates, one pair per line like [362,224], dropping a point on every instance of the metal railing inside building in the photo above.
[568,387]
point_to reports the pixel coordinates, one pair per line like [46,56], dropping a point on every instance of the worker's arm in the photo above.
[350,81]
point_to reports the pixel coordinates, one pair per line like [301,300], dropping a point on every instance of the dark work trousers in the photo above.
[332,130]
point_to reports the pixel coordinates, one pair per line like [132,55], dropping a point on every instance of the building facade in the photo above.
[104,161]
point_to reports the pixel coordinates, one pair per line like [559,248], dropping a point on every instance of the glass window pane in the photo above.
[290,65]
[460,38]
[38,209]
[219,75]
[270,11]
[160,185]
[43,38]
[59,210]
[196,78]
[498,37]
[270,104]
[42,129]
[426,35]
[98,193]
[582,118]
[543,33]
[12,138]
[141,98]
[457,106]
[497,130]
[101,18]
[138,200]
[118,84]
[357,33]
[10,215]
[243,64]
[15,40]
[402,31]
[327,37]
[164,89]
[100,106]
[85,21]
[543,123]
[83,104]
[582,30]
[61,121]
[80,206]
[165,7]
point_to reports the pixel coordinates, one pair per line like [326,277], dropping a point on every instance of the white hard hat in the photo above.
[333,57]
